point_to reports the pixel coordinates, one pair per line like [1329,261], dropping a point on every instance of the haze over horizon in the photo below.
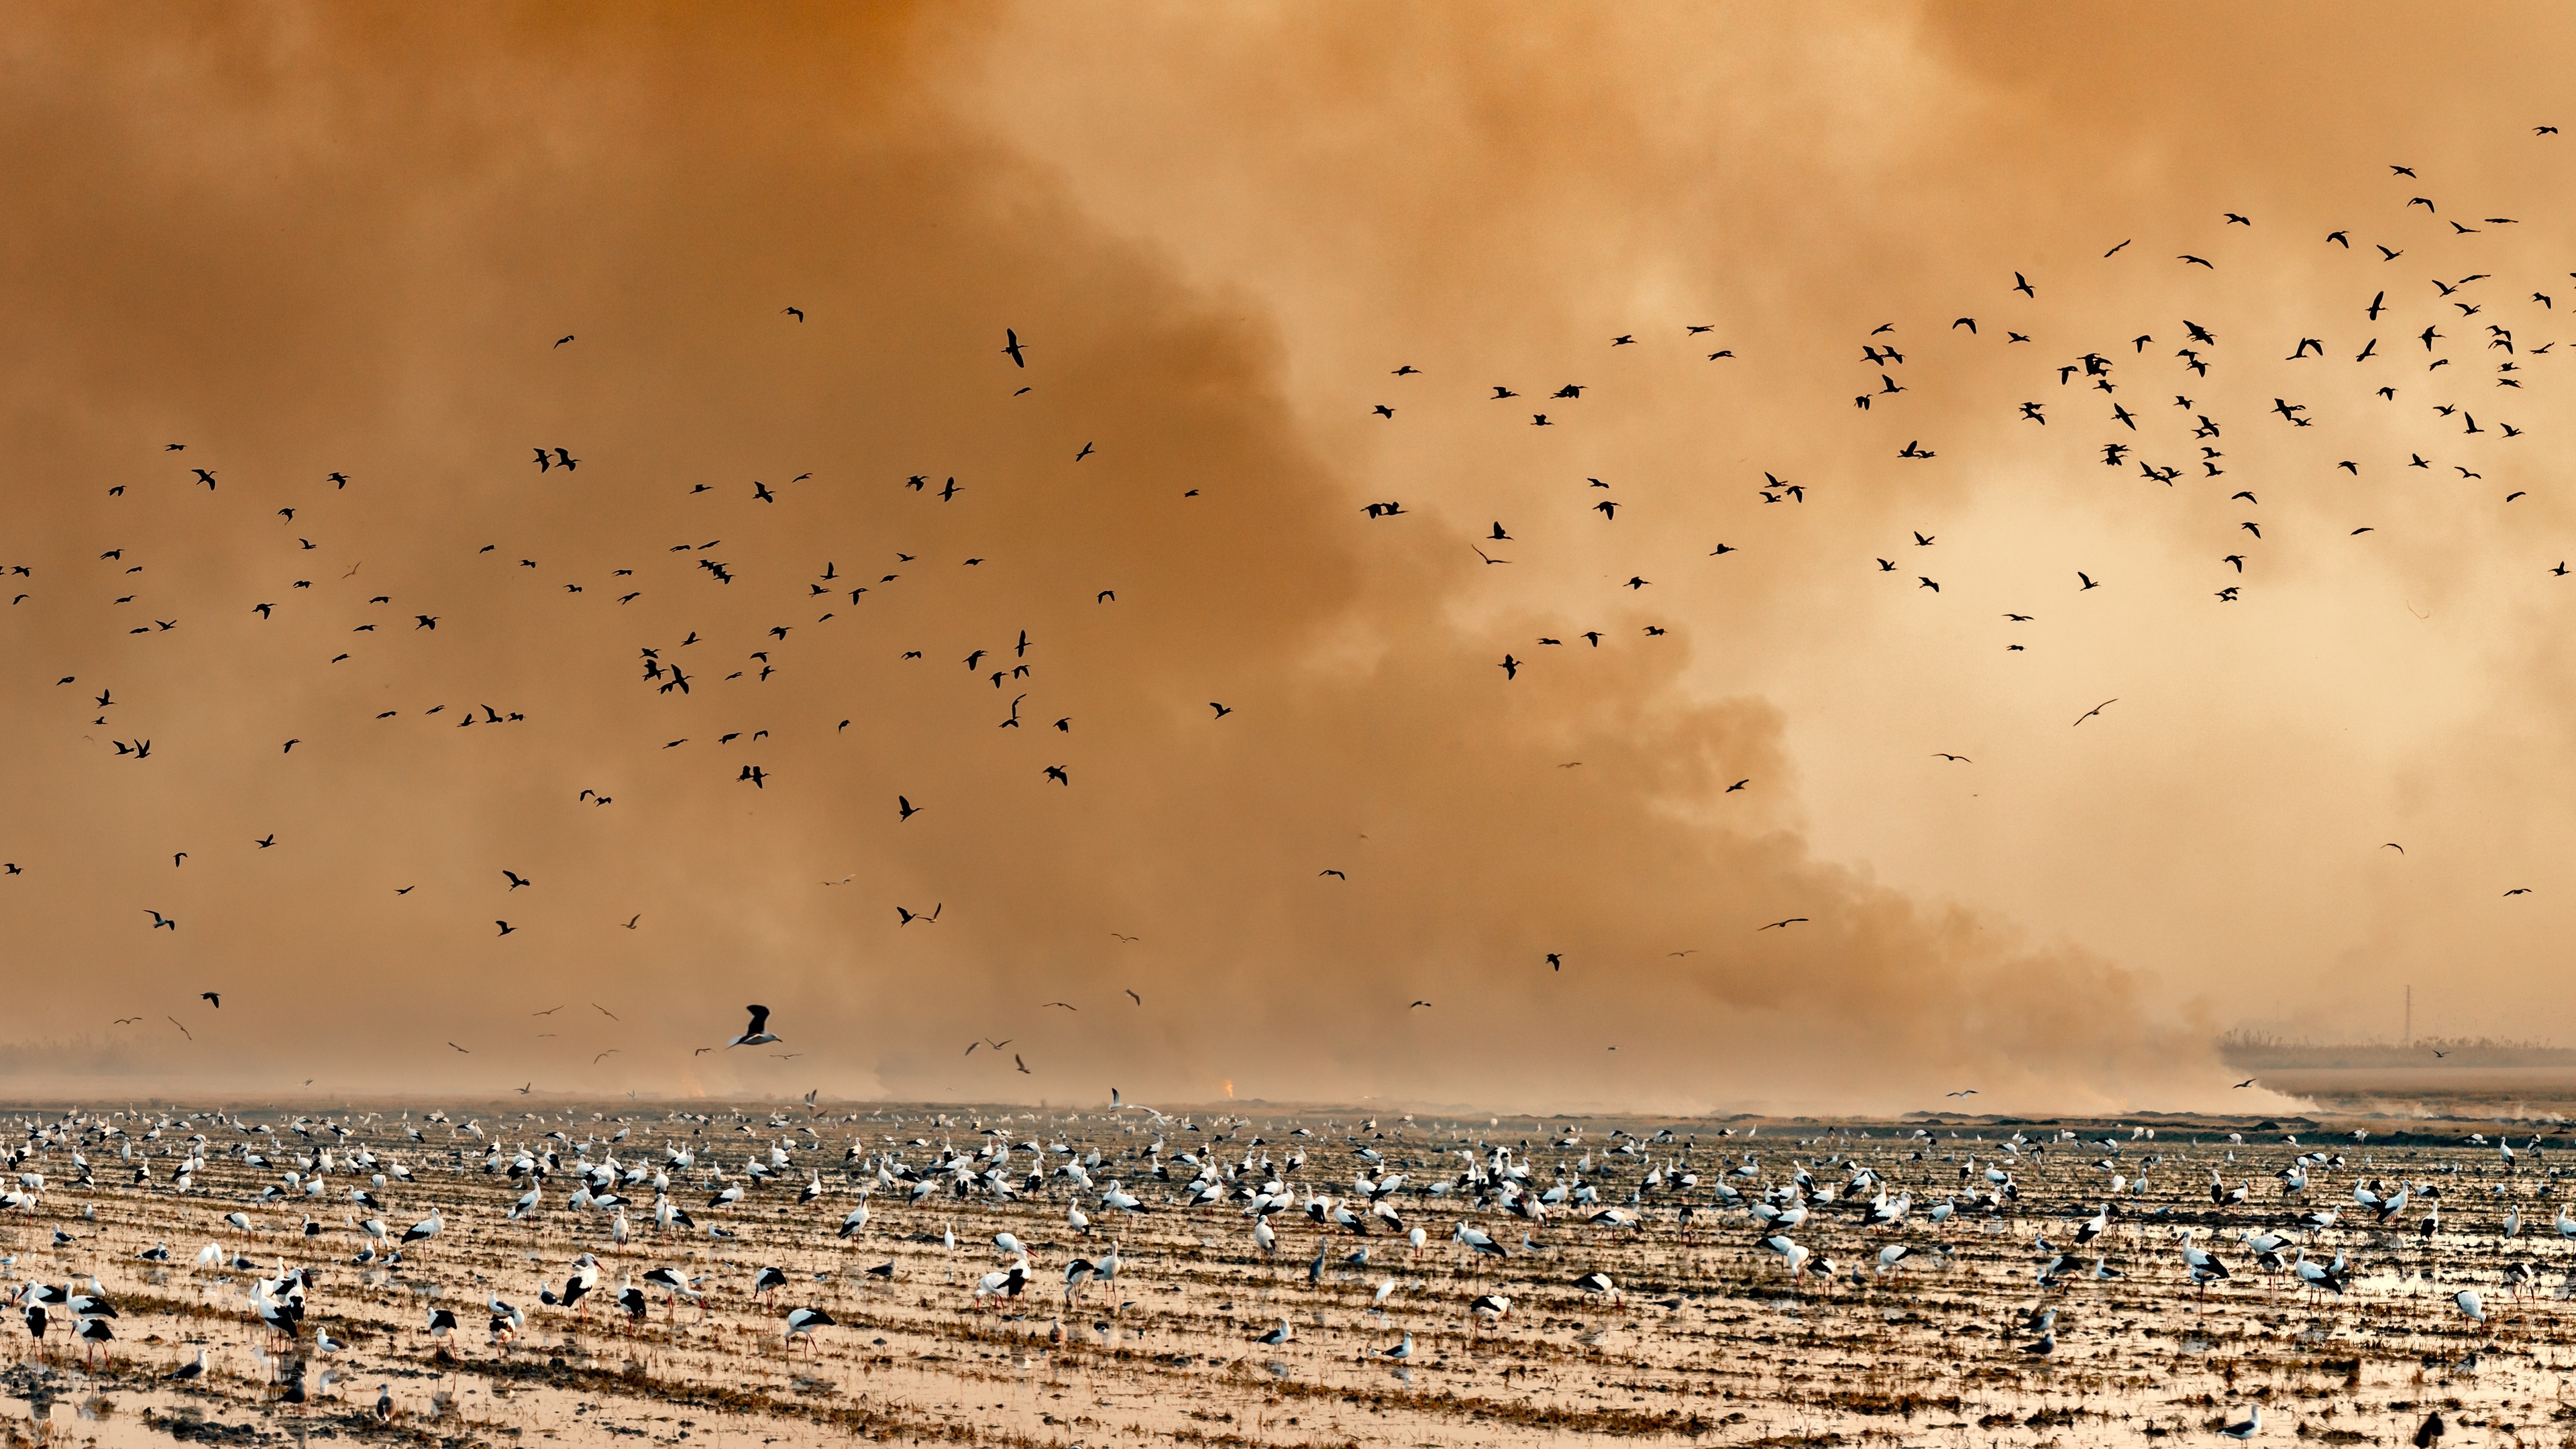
[755,278]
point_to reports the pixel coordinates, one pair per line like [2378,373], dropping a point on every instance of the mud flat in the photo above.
[1710,1340]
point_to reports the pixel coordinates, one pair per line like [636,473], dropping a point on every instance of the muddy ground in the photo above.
[1709,1339]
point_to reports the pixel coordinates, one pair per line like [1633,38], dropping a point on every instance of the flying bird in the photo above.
[758,1033]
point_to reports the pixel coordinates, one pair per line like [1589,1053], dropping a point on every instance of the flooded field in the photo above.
[1764,1283]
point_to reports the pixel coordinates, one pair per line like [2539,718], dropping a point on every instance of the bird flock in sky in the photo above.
[2413,322]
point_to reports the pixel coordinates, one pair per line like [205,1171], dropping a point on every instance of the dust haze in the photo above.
[308,241]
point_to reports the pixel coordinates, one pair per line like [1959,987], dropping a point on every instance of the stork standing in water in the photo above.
[578,1285]
[1477,1240]
[94,1336]
[801,1324]
[2200,1267]
[1003,1282]
[633,1301]
[673,1285]
[425,1229]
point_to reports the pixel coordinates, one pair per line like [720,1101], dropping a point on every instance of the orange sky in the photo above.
[313,240]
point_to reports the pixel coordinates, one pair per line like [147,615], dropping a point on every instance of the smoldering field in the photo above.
[1707,1341]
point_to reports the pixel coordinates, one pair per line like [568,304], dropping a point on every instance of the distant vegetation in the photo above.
[2258,1050]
